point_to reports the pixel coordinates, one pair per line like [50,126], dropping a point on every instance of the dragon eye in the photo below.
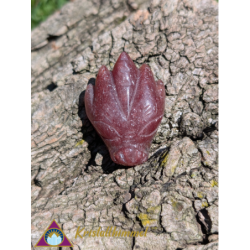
[150,128]
[105,130]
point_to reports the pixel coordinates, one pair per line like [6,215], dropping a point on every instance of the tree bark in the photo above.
[74,181]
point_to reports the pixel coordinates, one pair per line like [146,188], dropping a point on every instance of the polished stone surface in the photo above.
[126,106]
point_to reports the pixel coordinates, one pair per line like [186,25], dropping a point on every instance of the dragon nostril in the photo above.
[137,155]
[119,157]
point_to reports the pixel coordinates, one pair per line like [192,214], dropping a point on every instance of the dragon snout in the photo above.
[130,156]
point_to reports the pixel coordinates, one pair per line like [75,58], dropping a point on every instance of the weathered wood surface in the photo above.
[175,193]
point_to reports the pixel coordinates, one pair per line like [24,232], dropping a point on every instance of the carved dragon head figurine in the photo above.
[126,106]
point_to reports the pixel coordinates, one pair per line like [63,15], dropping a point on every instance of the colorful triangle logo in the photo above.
[53,237]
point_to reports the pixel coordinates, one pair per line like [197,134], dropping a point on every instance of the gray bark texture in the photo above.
[74,181]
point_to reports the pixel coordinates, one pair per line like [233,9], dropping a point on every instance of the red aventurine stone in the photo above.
[126,106]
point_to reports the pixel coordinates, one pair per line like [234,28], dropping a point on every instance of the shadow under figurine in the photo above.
[126,106]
